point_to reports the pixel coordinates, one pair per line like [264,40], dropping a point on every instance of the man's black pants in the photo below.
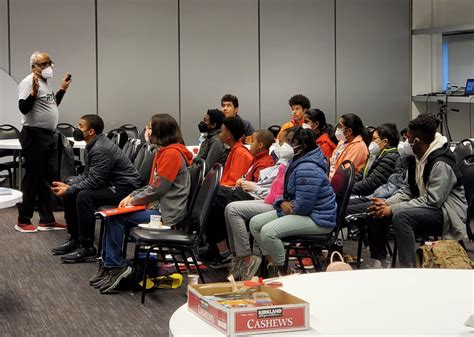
[40,151]
[79,211]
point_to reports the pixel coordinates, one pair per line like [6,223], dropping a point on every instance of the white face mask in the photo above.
[227,146]
[306,126]
[405,149]
[374,148]
[340,135]
[47,72]
[286,152]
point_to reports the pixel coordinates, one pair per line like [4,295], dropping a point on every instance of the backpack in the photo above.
[446,254]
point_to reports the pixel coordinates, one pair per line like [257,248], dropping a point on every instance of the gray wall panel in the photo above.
[219,55]
[373,60]
[3,35]
[64,29]
[137,60]
[297,56]
[460,58]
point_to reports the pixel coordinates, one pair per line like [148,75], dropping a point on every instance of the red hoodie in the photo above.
[167,162]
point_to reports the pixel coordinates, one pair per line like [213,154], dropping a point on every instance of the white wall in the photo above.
[180,57]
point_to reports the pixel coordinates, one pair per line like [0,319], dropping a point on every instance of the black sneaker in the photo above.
[114,276]
[81,254]
[66,247]
[210,254]
[222,262]
[99,275]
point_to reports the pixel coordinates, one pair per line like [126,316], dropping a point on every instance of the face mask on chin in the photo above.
[47,72]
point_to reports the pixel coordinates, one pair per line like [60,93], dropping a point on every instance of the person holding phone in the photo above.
[39,107]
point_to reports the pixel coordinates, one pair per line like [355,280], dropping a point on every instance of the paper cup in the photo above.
[155,219]
[193,279]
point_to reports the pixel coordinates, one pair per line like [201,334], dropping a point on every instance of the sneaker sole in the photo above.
[19,229]
[117,281]
[84,259]
[47,229]
[221,266]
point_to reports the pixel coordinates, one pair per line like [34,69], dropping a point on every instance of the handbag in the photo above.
[338,265]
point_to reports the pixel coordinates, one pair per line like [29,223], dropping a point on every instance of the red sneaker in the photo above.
[53,226]
[25,228]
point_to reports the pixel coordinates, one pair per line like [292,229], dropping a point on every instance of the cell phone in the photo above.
[68,77]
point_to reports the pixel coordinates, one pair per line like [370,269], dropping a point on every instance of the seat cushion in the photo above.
[162,237]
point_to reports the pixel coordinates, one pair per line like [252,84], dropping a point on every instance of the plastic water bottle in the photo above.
[448,88]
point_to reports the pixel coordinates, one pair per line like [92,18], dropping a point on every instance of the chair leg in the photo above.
[135,261]
[362,234]
[394,256]
[101,235]
[147,257]
[195,262]
[287,256]
[125,244]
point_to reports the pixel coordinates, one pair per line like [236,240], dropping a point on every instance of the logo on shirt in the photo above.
[50,97]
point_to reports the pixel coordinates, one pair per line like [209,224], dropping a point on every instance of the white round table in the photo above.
[11,200]
[391,302]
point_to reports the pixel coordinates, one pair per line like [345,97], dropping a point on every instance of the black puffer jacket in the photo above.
[106,166]
[369,179]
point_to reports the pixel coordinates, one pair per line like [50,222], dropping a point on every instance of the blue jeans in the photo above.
[115,227]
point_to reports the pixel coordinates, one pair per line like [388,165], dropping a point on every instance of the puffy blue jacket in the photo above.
[307,187]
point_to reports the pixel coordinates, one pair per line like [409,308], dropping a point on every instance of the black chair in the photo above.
[66,129]
[130,148]
[275,129]
[118,136]
[144,167]
[8,131]
[342,183]
[466,167]
[186,238]
[463,149]
[131,130]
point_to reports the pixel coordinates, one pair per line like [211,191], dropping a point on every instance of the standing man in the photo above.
[108,177]
[39,105]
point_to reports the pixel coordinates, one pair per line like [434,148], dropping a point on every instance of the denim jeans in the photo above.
[411,223]
[115,227]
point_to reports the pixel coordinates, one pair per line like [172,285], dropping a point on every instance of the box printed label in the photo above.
[269,319]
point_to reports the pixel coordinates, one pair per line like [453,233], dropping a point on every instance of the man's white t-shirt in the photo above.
[44,113]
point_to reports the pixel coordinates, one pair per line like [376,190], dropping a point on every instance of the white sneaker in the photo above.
[375,264]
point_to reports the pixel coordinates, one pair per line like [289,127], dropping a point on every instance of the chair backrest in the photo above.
[342,183]
[196,171]
[65,129]
[130,148]
[205,199]
[146,164]
[275,129]
[118,136]
[466,167]
[8,131]
[131,130]
[463,149]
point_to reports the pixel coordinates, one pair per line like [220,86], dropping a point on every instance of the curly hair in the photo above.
[216,117]
[424,127]
[236,127]
[300,100]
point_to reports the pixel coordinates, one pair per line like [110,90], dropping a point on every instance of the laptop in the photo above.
[469,87]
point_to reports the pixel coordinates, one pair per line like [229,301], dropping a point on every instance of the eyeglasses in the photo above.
[45,64]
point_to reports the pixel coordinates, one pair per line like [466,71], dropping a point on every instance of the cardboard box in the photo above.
[289,313]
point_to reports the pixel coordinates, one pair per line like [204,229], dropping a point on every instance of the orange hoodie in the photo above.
[167,161]
[355,151]
[237,164]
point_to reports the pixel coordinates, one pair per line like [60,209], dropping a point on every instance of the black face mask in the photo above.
[78,134]
[202,126]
